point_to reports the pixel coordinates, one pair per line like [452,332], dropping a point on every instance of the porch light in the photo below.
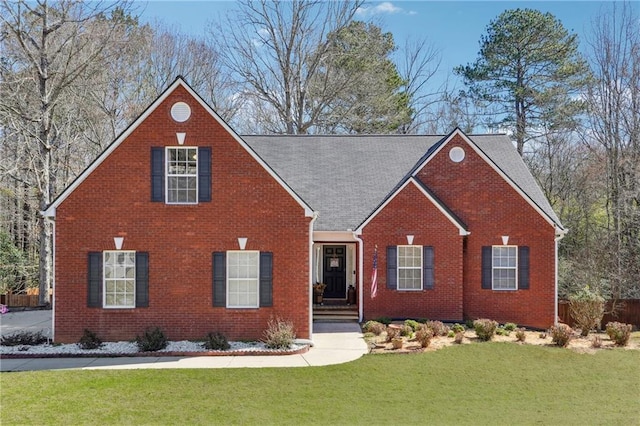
[242,242]
[181,137]
[118,242]
[505,240]
[410,239]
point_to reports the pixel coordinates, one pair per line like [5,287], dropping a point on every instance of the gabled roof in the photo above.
[178,82]
[343,177]
[347,178]
[498,151]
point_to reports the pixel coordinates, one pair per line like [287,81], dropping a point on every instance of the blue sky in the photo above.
[453,27]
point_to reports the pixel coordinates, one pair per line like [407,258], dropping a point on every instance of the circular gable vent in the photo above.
[180,112]
[456,154]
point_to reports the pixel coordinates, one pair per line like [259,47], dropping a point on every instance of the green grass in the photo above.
[485,383]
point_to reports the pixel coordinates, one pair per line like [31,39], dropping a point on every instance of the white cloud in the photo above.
[384,8]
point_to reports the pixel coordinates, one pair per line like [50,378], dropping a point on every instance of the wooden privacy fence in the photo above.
[29,299]
[628,312]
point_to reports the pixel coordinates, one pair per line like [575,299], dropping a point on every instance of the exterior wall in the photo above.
[114,200]
[411,213]
[491,208]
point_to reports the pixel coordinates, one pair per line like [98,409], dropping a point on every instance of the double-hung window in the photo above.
[504,261]
[409,267]
[119,279]
[243,279]
[182,175]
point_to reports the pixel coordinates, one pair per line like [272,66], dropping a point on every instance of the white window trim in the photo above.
[257,305]
[398,269]
[166,176]
[104,281]
[493,268]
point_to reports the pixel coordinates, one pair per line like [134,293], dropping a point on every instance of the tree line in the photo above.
[74,74]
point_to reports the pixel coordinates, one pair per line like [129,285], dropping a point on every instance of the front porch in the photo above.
[335,312]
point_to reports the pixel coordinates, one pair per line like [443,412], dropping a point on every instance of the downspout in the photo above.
[311,225]
[559,236]
[356,236]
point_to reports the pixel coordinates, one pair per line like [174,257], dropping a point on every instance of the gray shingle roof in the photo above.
[345,177]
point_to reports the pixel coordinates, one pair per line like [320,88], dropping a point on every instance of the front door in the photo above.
[335,272]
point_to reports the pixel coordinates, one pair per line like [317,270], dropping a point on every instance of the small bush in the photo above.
[543,335]
[406,331]
[415,325]
[89,340]
[561,334]
[153,339]
[392,333]
[216,342]
[457,328]
[458,337]
[469,324]
[587,309]
[279,334]
[373,327]
[424,335]
[521,336]
[510,326]
[24,338]
[501,331]
[397,343]
[383,320]
[485,328]
[438,327]
[596,342]
[619,332]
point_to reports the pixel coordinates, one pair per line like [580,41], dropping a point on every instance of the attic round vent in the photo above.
[180,112]
[456,154]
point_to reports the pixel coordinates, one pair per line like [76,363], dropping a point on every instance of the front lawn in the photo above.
[485,383]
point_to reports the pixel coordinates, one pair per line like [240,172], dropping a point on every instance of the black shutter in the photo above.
[204,174]
[94,288]
[428,279]
[142,279]
[392,266]
[219,260]
[266,279]
[523,268]
[157,174]
[487,257]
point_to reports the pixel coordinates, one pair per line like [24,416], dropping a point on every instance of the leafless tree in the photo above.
[274,49]
[614,130]
[51,48]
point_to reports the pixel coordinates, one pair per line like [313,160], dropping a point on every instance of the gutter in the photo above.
[560,233]
[356,236]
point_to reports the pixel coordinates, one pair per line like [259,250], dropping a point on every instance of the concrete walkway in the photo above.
[334,343]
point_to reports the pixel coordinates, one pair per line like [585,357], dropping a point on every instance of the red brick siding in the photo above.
[490,208]
[114,200]
[411,213]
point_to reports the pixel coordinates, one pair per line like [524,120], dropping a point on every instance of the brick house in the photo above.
[183,224]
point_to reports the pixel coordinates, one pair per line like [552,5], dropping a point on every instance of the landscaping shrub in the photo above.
[216,342]
[374,327]
[424,335]
[458,337]
[561,334]
[279,334]
[406,331]
[457,328]
[438,327]
[521,336]
[596,342]
[383,320]
[510,326]
[392,332]
[27,338]
[485,328]
[587,309]
[619,332]
[469,324]
[415,325]
[153,339]
[501,331]
[89,340]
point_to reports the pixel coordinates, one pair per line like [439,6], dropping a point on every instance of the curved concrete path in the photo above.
[334,343]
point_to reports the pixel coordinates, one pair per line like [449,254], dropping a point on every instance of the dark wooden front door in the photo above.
[335,272]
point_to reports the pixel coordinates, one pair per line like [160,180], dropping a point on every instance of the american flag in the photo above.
[374,273]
